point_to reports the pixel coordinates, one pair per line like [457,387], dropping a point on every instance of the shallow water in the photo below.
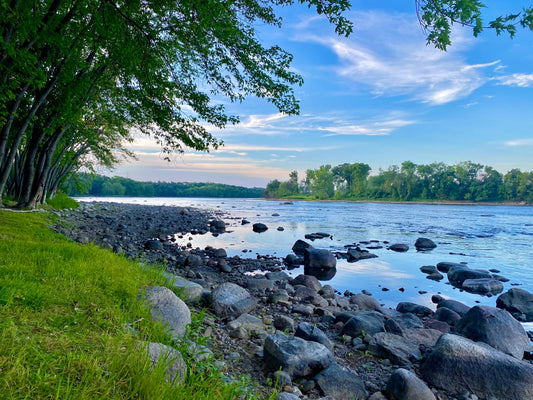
[485,237]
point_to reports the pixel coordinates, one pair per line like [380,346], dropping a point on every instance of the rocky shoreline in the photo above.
[327,345]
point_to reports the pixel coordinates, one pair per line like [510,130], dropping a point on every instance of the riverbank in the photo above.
[72,325]
[369,341]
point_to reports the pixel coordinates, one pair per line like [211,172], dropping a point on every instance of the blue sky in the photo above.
[379,97]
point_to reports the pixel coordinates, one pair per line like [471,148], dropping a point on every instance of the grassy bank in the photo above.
[71,323]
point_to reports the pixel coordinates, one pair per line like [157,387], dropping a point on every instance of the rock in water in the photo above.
[169,309]
[424,244]
[296,356]
[459,365]
[230,300]
[319,258]
[299,247]
[495,327]
[259,227]
[399,247]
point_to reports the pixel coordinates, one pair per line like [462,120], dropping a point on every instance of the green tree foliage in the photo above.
[97,185]
[89,71]
[465,181]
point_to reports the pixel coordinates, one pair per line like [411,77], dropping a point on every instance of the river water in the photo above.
[485,237]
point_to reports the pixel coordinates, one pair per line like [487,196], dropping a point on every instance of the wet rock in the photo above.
[231,300]
[518,302]
[260,284]
[356,254]
[307,280]
[405,385]
[299,247]
[424,244]
[339,383]
[175,366]
[296,356]
[428,269]
[259,227]
[220,253]
[435,276]
[445,266]
[458,274]
[310,332]
[444,314]
[169,309]
[486,286]
[317,235]
[495,327]
[417,309]
[218,225]
[399,247]
[319,259]
[405,321]
[278,276]
[460,365]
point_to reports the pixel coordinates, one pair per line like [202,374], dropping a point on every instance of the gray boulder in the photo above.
[495,327]
[247,322]
[309,281]
[460,365]
[417,309]
[296,356]
[319,259]
[356,254]
[518,302]
[230,300]
[188,291]
[404,321]
[367,323]
[458,274]
[365,302]
[457,306]
[169,309]
[153,244]
[259,227]
[405,385]
[339,383]
[174,364]
[310,332]
[299,247]
[397,349]
[444,266]
[424,244]
[399,247]
[486,286]
[444,314]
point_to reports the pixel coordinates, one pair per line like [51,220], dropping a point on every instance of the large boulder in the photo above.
[460,365]
[259,227]
[405,385]
[338,383]
[424,244]
[444,266]
[230,300]
[168,309]
[417,309]
[495,327]
[296,356]
[404,321]
[486,286]
[364,302]
[319,259]
[518,302]
[458,274]
[309,281]
[299,247]
[399,247]
[356,254]
[188,291]
[454,305]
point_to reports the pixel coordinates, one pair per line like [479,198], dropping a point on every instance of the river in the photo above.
[485,237]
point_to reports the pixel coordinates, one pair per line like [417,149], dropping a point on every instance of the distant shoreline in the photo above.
[424,202]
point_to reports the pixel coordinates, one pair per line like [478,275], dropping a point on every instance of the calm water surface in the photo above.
[485,237]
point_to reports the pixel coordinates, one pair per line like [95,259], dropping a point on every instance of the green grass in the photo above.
[71,323]
[61,200]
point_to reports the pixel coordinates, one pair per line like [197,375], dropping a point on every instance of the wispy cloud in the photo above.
[519,142]
[381,128]
[398,63]
[520,80]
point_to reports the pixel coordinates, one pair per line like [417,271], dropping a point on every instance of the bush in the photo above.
[61,200]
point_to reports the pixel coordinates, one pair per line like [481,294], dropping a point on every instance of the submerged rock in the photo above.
[424,244]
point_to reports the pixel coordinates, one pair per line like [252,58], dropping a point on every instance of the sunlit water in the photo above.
[485,237]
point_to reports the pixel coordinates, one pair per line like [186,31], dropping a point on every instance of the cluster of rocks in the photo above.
[310,339]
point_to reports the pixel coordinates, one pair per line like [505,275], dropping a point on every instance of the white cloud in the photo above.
[381,128]
[261,121]
[519,142]
[520,80]
[387,53]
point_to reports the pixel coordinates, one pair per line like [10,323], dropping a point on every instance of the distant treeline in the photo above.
[465,181]
[98,185]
